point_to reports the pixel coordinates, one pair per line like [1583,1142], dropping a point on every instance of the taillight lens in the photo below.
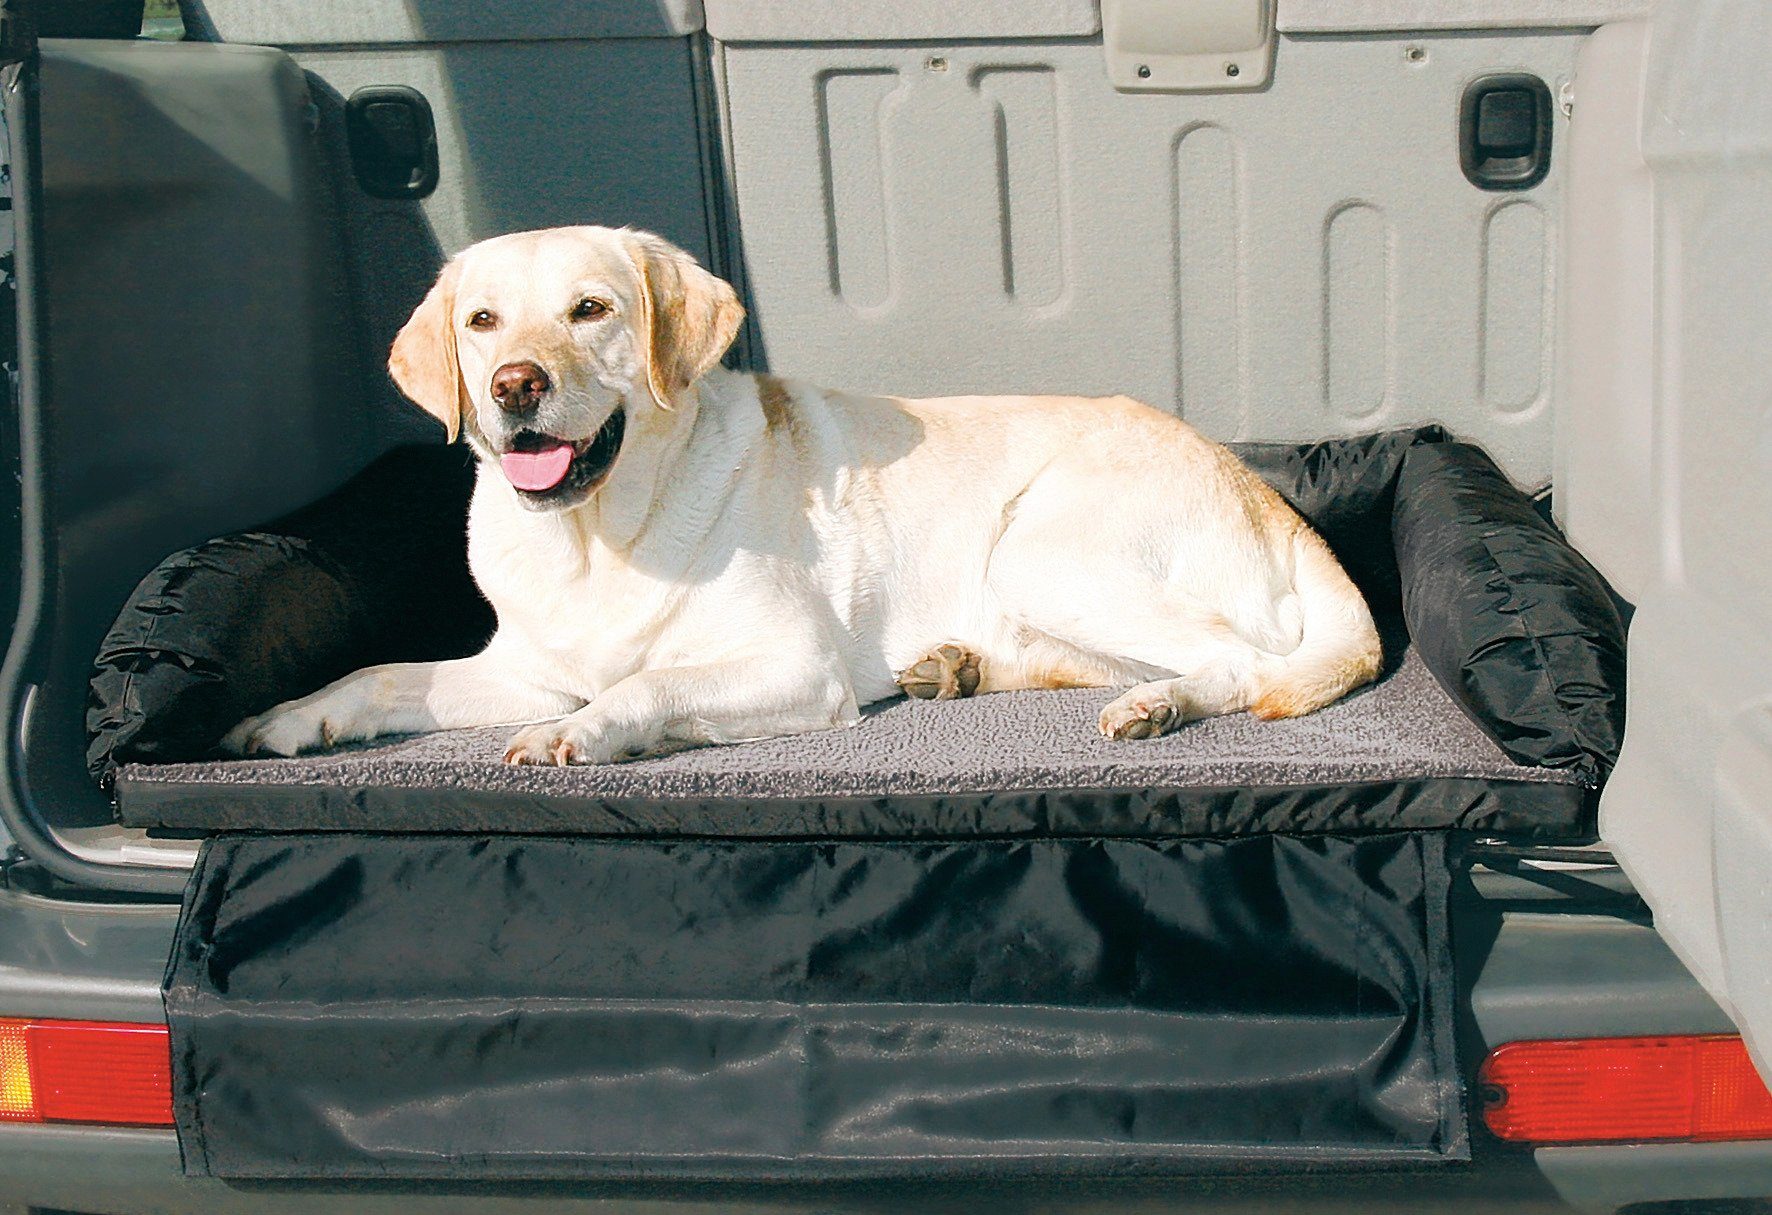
[1691,1088]
[106,1072]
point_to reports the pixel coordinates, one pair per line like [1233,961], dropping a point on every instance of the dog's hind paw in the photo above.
[945,673]
[1147,711]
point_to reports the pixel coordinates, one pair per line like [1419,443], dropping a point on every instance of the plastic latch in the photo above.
[393,141]
[1188,46]
[1505,124]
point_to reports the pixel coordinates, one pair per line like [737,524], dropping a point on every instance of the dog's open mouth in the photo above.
[545,468]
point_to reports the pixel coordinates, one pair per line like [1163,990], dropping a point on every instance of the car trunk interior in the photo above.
[950,199]
[1313,259]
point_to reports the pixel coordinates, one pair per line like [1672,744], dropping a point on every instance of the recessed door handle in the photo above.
[1505,132]
[393,141]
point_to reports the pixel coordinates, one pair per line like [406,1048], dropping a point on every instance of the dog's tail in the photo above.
[1339,650]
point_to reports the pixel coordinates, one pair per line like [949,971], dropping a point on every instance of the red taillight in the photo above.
[1699,1087]
[85,1071]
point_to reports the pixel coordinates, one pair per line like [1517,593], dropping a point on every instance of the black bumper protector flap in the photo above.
[455,1008]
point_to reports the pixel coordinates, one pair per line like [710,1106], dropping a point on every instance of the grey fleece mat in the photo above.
[1398,753]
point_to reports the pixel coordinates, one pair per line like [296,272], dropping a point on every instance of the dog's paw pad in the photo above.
[1135,716]
[945,673]
[560,744]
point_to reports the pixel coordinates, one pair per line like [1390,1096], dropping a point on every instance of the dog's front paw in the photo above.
[563,742]
[288,729]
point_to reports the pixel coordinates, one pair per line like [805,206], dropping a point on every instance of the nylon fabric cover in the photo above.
[1514,622]
[459,1008]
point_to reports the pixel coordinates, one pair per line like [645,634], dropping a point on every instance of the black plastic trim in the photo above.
[25,658]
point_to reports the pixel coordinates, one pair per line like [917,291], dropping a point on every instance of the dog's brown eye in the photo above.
[589,310]
[481,319]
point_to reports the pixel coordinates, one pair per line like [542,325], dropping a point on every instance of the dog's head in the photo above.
[555,351]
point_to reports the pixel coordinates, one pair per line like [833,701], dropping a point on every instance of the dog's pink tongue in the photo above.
[536,471]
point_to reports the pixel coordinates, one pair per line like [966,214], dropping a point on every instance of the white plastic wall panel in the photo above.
[874,21]
[1348,16]
[1302,261]
[357,22]
[1689,809]
[1605,432]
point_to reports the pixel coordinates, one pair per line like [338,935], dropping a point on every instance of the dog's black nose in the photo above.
[517,387]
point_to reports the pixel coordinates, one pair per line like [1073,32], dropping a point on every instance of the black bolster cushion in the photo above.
[374,572]
[1514,623]
[1345,489]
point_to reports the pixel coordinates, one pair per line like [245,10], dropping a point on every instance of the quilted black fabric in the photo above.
[1514,622]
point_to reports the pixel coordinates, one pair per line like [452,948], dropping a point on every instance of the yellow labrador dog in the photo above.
[680,554]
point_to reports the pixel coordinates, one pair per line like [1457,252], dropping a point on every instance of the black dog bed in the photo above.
[1499,711]
[960,939]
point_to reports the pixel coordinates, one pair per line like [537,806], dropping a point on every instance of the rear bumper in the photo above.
[1537,958]
[125,1172]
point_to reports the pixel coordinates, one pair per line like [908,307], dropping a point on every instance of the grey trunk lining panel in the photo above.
[912,768]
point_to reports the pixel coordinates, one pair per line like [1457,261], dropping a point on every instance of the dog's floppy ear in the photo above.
[422,361]
[691,316]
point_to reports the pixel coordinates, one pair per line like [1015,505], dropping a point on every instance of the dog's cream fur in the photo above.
[764,556]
